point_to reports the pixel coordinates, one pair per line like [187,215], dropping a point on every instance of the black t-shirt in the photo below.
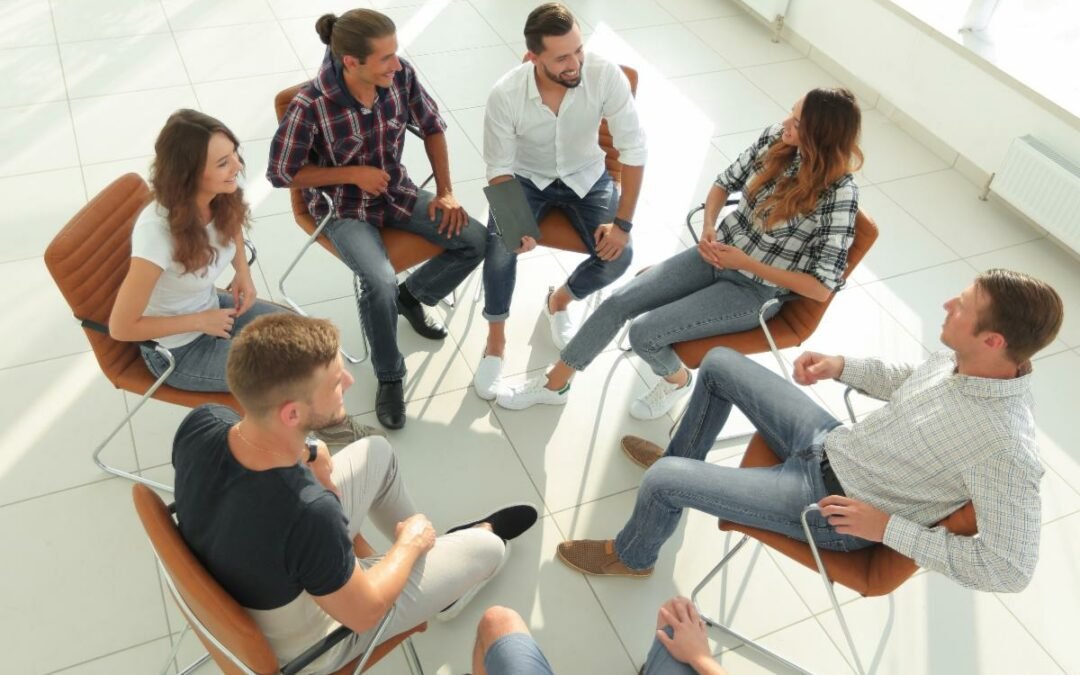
[265,536]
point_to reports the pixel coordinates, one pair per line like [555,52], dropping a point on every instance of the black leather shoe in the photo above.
[416,314]
[390,404]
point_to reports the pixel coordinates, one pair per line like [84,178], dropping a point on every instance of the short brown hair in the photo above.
[551,18]
[274,358]
[1027,312]
[351,33]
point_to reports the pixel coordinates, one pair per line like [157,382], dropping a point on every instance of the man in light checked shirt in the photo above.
[956,428]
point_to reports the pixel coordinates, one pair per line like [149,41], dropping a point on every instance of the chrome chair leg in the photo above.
[413,660]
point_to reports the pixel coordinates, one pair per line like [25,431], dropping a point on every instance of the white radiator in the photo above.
[1044,186]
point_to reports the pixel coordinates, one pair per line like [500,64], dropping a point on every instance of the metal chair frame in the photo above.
[826,582]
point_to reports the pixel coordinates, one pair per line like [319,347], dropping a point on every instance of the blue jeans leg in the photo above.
[438,277]
[661,662]
[200,364]
[361,248]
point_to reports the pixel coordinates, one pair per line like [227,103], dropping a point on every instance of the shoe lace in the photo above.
[659,392]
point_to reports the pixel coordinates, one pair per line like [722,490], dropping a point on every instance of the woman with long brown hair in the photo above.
[788,236]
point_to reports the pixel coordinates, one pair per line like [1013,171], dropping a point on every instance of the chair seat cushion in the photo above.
[557,232]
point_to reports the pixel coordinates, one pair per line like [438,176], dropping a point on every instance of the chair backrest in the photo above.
[89,258]
[797,319]
[872,571]
[215,609]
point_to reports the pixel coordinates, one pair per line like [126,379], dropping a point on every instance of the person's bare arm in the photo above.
[370,179]
[454,217]
[368,595]
[128,324]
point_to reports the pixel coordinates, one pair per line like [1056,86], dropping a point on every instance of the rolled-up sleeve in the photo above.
[291,144]
[835,232]
[621,114]
[734,178]
[500,142]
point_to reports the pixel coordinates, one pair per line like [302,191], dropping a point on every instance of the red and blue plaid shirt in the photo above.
[327,127]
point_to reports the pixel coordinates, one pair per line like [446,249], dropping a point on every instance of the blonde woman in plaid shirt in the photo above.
[789,235]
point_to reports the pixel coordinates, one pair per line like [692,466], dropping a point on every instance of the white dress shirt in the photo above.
[522,136]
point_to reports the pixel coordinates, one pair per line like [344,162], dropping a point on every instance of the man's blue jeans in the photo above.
[586,213]
[769,498]
[361,248]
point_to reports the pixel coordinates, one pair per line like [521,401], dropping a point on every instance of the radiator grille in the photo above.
[1043,185]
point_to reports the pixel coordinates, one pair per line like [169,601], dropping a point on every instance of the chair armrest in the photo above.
[319,648]
[253,253]
[847,401]
[104,330]
[731,201]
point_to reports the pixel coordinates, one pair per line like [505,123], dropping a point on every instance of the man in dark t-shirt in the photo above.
[276,520]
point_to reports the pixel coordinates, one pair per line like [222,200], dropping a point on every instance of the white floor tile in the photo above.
[98,176]
[1046,260]
[731,102]
[246,105]
[1047,607]
[571,628]
[55,414]
[145,658]
[932,624]
[68,573]
[37,138]
[788,81]
[742,41]
[695,10]
[305,41]
[38,205]
[27,23]
[805,644]
[889,153]
[484,65]
[33,75]
[124,126]
[673,50]
[615,15]
[236,51]
[264,198]
[1054,387]
[947,205]
[465,161]
[445,26]
[507,17]
[118,65]
[76,20]
[189,14]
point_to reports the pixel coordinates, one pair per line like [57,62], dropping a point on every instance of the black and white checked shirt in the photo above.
[944,439]
[815,243]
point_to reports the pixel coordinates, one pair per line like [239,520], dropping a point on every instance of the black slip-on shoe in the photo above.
[390,404]
[418,317]
[508,523]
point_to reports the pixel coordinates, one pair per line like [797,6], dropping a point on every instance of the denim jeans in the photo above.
[585,214]
[682,298]
[359,245]
[770,498]
[518,654]
[200,364]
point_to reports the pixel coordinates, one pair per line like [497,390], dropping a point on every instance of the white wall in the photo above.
[972,111]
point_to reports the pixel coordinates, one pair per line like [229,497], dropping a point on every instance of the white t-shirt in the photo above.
[176,292]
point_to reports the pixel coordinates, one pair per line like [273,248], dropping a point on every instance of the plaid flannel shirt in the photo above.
[945,439]
[815,243]
[325,126]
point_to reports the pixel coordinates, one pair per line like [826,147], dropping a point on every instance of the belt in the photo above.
[828,476]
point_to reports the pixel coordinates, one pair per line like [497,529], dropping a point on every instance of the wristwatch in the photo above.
[312,448]
[623,224]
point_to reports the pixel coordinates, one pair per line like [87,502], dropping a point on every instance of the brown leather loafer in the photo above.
[594,556]
[641,452]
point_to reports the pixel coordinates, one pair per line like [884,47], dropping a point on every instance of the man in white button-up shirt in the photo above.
[540,127]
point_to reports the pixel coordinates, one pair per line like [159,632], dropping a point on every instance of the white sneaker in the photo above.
[456,608]
[531,393]
[660,400]
[486,380]
[562,326]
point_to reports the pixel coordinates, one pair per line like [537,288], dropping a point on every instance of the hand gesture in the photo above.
[371,179]
[416,531]
[243,292]
[610,241]
[850,516]
[811,368]
[454,217]
[527,244]
[217,322]
[690,642]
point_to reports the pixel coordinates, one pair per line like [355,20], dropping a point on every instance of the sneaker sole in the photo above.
[633,575]
[561,401]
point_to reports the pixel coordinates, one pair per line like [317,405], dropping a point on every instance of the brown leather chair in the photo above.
[874,571]
[228,632]
[88,259]
[797,319]
[555,228]
[404,249]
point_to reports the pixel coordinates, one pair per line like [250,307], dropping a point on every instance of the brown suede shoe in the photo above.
[593,556]
[641,452]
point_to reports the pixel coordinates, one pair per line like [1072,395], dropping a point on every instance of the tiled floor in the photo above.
[88,87]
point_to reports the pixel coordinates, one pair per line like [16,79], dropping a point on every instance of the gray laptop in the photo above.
[511,212]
